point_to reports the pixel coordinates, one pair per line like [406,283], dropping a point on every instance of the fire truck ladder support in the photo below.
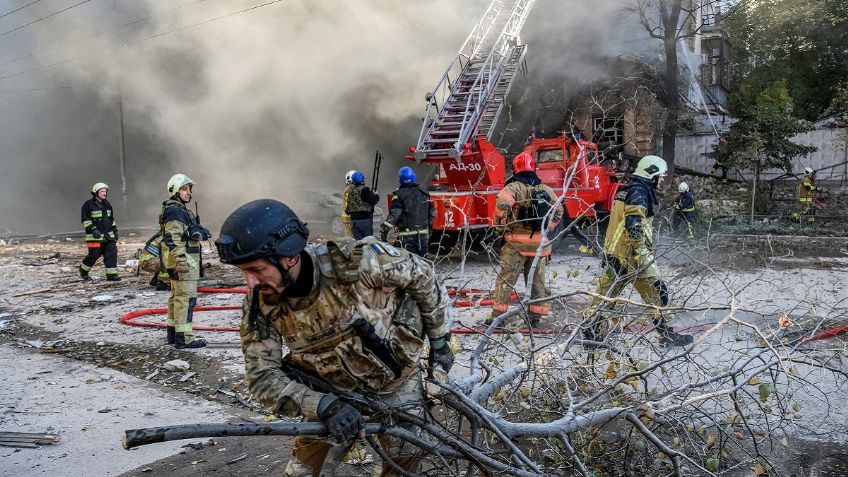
[470,95]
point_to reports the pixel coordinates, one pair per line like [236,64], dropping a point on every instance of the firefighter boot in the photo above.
[180,343]
[84,274]
[171,335]
[113,278]
[535,321]
[669,337]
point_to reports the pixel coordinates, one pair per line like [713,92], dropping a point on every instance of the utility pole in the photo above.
[121,150]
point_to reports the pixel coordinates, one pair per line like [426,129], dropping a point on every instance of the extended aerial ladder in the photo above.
[469,97]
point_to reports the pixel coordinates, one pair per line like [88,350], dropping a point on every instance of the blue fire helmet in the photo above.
[357,177]
[406,175]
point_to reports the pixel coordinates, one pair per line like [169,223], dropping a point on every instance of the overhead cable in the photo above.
[44,17]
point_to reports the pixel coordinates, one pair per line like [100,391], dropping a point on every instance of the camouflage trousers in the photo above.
[180,307]
[514,264]
[615,277]
[320,458]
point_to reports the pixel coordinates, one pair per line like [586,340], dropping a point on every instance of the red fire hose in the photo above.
[130,317]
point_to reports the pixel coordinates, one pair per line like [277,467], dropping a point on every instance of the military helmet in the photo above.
[651,167]
[357,178]
[176,182]
[406,175]
[97,187]
[808,171]
[263,228]
[523,162]
[683,187]
[349,177]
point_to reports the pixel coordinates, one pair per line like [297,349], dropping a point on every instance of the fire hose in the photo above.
[131,317]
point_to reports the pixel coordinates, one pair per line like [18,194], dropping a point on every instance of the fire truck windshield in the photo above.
[554,155]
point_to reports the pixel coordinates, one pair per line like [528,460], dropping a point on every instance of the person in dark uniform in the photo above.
[411,212]
[101,233]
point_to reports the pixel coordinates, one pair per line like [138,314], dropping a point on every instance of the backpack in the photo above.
[538,206]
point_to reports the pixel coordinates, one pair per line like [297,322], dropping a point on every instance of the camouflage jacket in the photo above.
[351,280]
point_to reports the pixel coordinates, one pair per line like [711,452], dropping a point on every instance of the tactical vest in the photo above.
[318,328]
[352,200]
[416,208]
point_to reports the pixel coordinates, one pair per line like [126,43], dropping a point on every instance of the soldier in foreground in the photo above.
[181,234]
[411,212]
[101,233]
[353,313]
[521,210]
[627,253]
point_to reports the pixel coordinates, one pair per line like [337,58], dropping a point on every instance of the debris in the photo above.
[66,269]
[176,365]
[2,243]
[32,292]
[27,439]
[69,239]
[131,263]
[227,393]
[103,298]
[237,459]
[101,343]
[147,469]
[105,410]
[187,376]
[151,375]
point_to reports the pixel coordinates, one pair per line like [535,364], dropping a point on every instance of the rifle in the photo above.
[375,176]
[151,435]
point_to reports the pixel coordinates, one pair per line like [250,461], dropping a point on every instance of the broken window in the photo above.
[609,134]
[553,155]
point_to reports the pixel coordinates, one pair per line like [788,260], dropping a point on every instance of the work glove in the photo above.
[96,234]
[441,355]
[182,265]
[341,419]
[384,232]
[112,235]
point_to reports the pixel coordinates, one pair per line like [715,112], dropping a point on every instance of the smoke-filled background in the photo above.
[273,101]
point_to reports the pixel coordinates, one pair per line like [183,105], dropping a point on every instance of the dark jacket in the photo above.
[411,208]
[359,202]
[98,216]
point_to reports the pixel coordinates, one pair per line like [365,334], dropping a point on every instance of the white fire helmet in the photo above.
[176,182]
[650,167]
[349,177]
[683,187]
[98,186]
[808,171]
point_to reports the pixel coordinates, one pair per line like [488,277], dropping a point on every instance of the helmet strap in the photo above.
[286,279]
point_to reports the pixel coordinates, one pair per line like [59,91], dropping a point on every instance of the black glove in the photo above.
[342,420]
[384,232]
[440,353]
[96,234]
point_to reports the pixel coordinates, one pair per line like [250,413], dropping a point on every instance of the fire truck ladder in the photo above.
[470,95]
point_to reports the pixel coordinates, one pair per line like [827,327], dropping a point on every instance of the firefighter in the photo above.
[411,212]
[806,197]
[684,209]
[346,225]
[627,253]
[181,234]
[523,213]
[358,203]
[355,313]
[150,259]
[101,233]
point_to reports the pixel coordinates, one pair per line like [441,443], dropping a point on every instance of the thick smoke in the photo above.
[272,102]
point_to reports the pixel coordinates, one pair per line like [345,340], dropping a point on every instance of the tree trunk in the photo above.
[670,14]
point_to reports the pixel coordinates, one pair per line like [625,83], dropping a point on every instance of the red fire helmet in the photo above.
[523,163]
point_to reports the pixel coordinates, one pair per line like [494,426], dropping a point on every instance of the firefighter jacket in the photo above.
[358,201]
[630,232]
[98,222]
[685,202]
[355,296]
[411,210]
[807,190]
[514,197]
[175,221]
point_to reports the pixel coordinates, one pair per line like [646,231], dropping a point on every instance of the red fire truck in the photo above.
[461,114]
